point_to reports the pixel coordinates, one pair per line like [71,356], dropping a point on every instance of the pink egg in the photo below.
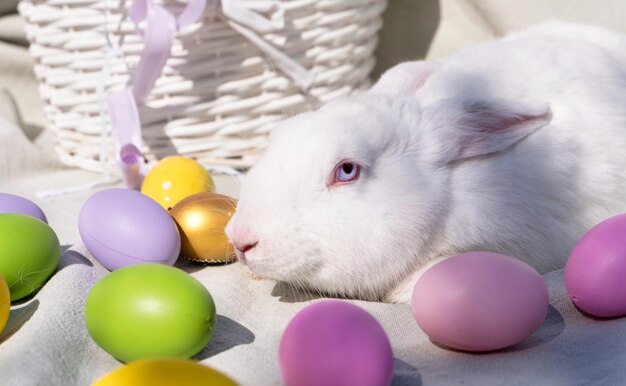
[480,301]
[595,274]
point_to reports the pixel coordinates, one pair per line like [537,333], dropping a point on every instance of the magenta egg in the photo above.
[335,343]
[480,301]
[595,274]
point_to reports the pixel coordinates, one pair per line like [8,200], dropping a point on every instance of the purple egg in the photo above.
[595,274]
[335,343]
[121,227]
[10,203]
[480,301]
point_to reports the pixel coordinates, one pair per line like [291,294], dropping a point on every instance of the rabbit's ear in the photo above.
[457,130]
[405,78]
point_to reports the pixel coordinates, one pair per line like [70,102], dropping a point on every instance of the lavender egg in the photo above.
[121,227]
[10,203]
[595,274]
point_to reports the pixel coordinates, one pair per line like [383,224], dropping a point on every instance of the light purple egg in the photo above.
[10,203]
[595,274]
[480,301]
[121,227]
[335,343]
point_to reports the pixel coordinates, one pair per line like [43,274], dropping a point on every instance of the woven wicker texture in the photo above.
[218,94]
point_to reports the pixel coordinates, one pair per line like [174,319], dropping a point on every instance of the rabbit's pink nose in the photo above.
[243,240]
[241,250]
[245,248]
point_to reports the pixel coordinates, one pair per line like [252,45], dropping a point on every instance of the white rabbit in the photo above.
[515,146]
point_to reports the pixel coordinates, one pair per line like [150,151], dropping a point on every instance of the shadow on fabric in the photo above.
[288,293]
[70,257]
[17,318]
[194,266]
[405,374]
[552,326]
[227,334]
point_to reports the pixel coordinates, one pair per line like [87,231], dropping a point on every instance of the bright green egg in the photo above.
[147,311]
[29,253]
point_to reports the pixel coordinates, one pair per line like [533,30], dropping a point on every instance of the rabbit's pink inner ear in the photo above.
[454,129]
[405,78]
[498,116]
[493,126]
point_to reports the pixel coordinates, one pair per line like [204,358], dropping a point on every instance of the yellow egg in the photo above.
[174,178]
[201,220]
[164,372]
[5,303]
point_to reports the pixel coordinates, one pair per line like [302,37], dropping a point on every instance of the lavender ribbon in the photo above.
[161,27]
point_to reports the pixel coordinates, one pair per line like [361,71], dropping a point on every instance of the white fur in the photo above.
[515,146]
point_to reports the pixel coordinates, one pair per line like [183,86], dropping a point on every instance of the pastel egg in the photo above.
[480,301]
[148,311]
[175,178]
[29,253]
[201,220]
[10,203]
[120,227]
[595,273]
[5,303]
[335,343]
[164,372]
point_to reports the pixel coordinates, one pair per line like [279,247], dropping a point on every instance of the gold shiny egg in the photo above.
[164,372]
[201,220]
[175,178]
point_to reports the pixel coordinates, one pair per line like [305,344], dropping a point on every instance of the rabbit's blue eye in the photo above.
[346,172]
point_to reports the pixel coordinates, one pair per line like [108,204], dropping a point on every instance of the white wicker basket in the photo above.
[218,94]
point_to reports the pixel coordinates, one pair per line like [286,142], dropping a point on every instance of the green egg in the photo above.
[29,253]
[147,311]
